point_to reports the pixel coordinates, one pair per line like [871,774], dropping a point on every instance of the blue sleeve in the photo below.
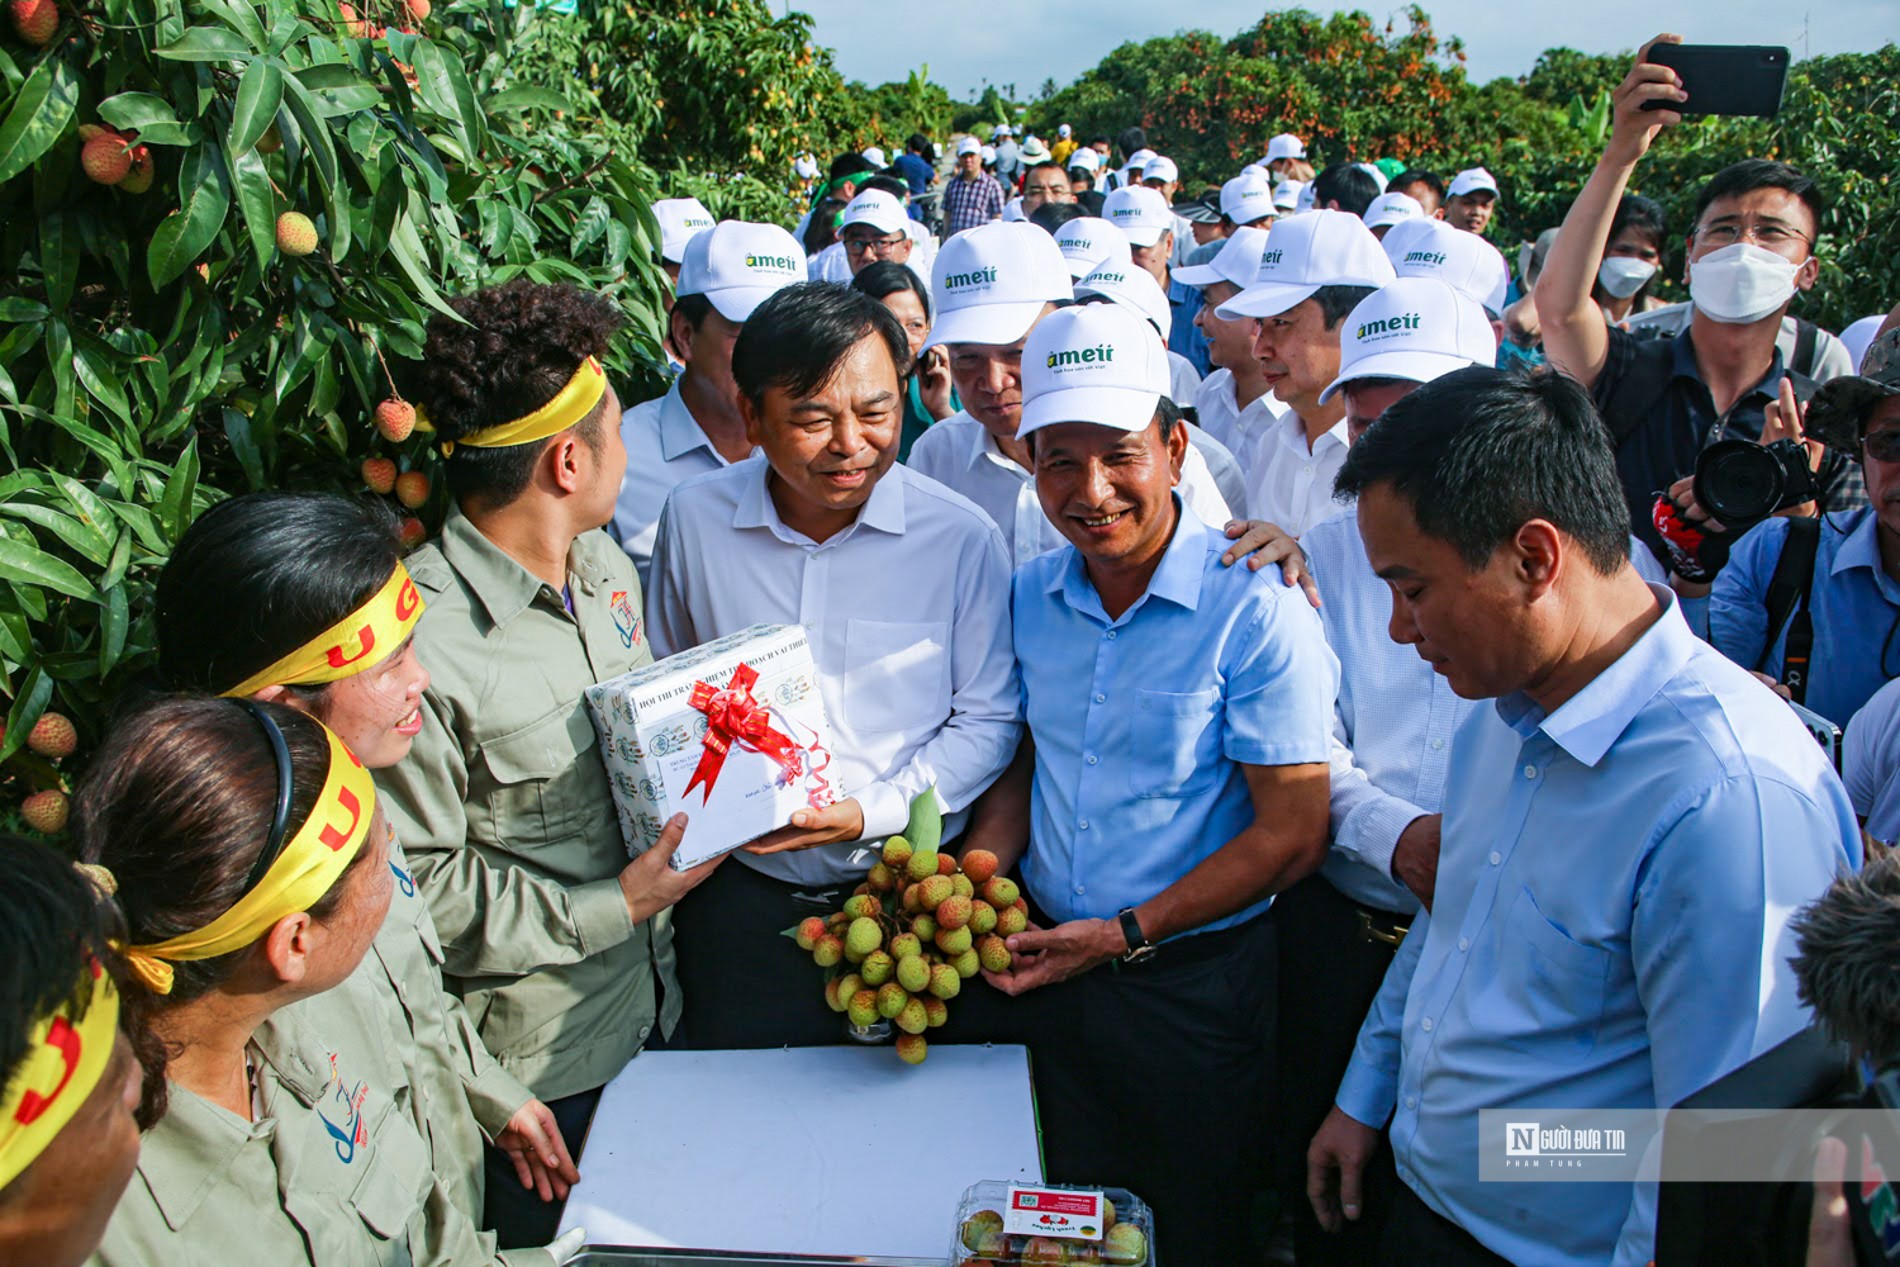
[1371,1086]
[1738,605]
[1280,687]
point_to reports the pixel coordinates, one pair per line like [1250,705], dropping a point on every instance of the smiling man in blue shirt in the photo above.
[1627,828]
[1174,780]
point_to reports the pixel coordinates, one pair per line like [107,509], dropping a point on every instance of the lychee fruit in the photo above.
[412,489]
[809,930]
[911,1049]
[35,20]
[380,475]
[921,865]
[53,736]
[139,179]
[925,926]
[967,964]
[1000,891]
[1042,1250]
[979,865]
[936,1011]
[395,419]
[977,1226]
[1108,1213]
[863,937]
[106,158]
[954,912]
[912,1019]
[360,28]
[913,973]
[906,945]
[45,811]
[828,951]
[993,953]
[832,1000]
[1124,1246]
[419,9]
[862,1009]
[960,884]
[934,892]
[1010,921]
[881,878]
[891,999]
[944,981]
[412,533]
[897,852]
[982,917]
[877,968]
[864,906]
[953,941]
[296,235]
[946,865]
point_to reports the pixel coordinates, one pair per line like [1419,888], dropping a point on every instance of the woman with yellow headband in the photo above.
[69,1083]
[328,614]
[251,861]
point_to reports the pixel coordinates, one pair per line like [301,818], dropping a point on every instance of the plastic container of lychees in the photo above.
[1003,1224]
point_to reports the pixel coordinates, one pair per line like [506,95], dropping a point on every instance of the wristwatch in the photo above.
[1139,947]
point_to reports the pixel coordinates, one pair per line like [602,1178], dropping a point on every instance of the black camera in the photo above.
[1740,483]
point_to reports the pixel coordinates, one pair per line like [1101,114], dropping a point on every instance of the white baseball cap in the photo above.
[1013,210]
[990,283]
[1388,209]
[1255,169]
[1286,195]
[1246,198]
[1085,159]
[1285,145]
[1308,195]
[806,166]
[1236,262]
[1471,180]
[1133,288]
[1414,328]
[1160,168]
[680,219]
[876,208]
[873,155]
[738,266]
[1372,170]
[1464,261]
[969,145]
[1096,363]
[989,155]
[1322,248]
[1088,241]
[1139,212]
[1063,130]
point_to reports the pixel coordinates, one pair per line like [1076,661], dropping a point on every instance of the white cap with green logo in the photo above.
[1416,329]
[1139,212]
[1426,247]
[1088,242]
[1097,363]
[1134,289]
[738,266]
[990,283]
[680,219]
[1321,248]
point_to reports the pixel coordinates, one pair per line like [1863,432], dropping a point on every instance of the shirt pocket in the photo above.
[392,1190]
[543,775]
[1565,981]
[897,674]
[1176,742]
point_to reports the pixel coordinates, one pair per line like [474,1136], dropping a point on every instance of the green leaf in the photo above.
[117,565]
[258,96]
[206,44]
[242,15]
[101,380]
[33,566]
[28,703]
[257,201]
[205,193]
[41,112]
[114,619]
[20,308]
[175,504]
[446,91]
[92,543]
[237,429]
[406,249]
[59,257]
[526,98]
[137,111]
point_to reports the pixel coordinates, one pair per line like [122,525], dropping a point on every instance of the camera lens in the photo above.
[1738,482]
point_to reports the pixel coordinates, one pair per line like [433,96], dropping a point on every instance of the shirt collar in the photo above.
[1861,549]
[1589,722]
[183,1164]
[504,587]
[1293,431]
[1177,578]
[680,432]
[1682,364]
[883,510]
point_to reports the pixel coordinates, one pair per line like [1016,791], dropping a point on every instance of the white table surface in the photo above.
[794,1150]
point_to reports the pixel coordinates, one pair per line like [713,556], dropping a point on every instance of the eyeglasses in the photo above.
[1882,446]
[883,246]
[1767,235]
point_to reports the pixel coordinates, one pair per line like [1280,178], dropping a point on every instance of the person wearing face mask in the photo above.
[1750,251]
[1630,260]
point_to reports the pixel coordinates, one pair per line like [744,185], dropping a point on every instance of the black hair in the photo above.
[1131,139]
[177,804]
[847,164]
[1051,216]
[693,308]
[1480,452]
[1349,185]
[1645,215]
[1760,173]
[1047,165]
[56,929]
[917,143]
[516,346]
[887,184]
[796,339]
[887,277]
[1844,961]
[1337,302]
[256,577]
[1097,139]
[1419,176]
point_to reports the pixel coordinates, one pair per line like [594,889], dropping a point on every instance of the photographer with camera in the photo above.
[1814,603]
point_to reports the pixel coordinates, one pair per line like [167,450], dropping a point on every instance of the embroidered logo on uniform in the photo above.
[404,881]
[626,620]
[352,1133]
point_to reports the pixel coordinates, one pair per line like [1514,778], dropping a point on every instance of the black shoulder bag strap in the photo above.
[1788,605]
[1806,335]
[1629,403]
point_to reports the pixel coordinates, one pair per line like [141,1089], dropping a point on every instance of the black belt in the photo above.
[1382,928]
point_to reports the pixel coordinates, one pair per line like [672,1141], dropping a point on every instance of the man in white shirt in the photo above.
[1470,200]
[1143,217]
[823,529]
[1161,175]
[727,272]
[681,220]
[989,288]
[1233,404]
[1315,269]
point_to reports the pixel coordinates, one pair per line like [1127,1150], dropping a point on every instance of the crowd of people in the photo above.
[1393,678]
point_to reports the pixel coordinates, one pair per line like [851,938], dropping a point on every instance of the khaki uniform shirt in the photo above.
[330,1171]
[508,817]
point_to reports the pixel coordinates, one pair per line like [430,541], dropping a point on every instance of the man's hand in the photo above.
[649,882]
[1632,128]
[1042,957]
[533,1143]
[813,827]
[1782,419]
[1773,684]
[1415,857]
[1830,1229]
[933,383]
[1336,1167]
[1261,543]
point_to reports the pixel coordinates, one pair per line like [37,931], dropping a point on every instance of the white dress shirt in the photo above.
[1183,379]
[829,265]
[960,452]
[665,446]
[1288,483]
[908,615]
[1224,468]
[1217,409]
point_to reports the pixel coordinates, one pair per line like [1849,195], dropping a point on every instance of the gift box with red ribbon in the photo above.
[732,733]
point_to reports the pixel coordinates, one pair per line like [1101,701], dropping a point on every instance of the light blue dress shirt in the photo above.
[1855,604]
[1609,929]
[1142,723]
[665,447]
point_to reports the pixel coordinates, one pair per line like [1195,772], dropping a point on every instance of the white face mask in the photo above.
[1623,275]
[1741,283]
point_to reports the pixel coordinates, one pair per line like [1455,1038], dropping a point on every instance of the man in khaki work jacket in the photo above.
[562,950]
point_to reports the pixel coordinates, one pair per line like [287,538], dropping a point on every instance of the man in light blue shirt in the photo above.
[1174,779]
[1627,827]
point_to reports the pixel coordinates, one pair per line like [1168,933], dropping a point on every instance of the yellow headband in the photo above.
[65,1059]
[361,640]
[571,404]
[319,853]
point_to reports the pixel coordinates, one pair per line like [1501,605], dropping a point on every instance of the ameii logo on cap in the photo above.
[965,281]
[698,222]
[1386,327]
[1423,258]
[775,263]
[1064,359]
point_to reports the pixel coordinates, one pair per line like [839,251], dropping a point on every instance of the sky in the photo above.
[970,41]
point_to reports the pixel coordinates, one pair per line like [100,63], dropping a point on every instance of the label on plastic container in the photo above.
[1074,1216]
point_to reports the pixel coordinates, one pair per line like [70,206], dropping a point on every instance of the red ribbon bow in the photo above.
[734,716]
